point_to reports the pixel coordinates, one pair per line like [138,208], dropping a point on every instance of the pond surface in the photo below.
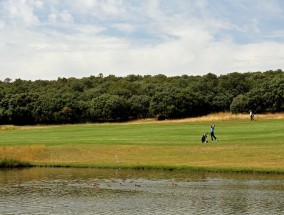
[108,191]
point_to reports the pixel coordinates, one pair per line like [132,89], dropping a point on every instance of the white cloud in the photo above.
[124,27]
[38,3]
[40,40]
[2,25]
[101,9]
[20,12]
[201,3]
[66,16]
[269,7]
[60,16]
[66,57]
[52,18]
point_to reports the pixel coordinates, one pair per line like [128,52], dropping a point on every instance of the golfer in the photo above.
[251,115]
[212,132]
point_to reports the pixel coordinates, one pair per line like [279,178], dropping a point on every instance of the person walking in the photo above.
[212,133]
[251,115]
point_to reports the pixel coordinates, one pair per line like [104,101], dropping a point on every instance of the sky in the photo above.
[48,39]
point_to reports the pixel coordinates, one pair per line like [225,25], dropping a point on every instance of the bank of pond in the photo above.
[12,163]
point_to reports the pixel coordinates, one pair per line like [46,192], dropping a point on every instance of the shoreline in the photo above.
[14,164]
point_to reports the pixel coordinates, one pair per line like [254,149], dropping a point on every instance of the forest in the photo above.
[115,99]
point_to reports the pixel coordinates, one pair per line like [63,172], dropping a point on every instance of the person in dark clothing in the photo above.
[251,115]
[212,133]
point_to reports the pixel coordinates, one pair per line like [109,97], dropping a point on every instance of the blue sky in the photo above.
[47,39]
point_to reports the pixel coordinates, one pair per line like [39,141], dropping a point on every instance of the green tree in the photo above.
[21,107]
[163,105]
[139,106]
[240,104]
[269,97]
[108,108]
[234,83]
[221,101]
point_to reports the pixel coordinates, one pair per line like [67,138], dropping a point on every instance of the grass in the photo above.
[173,144]
[11,163]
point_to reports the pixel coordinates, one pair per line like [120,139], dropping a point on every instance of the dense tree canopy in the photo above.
[111,98]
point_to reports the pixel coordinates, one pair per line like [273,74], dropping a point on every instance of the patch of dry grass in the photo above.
[222,116]
[125,155]
[6,127]
[24,153]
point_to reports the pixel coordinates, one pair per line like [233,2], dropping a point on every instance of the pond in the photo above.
[118,191]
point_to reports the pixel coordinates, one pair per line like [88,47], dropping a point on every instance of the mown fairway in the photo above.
[242,145]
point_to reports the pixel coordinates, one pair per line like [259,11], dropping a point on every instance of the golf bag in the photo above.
[204,138]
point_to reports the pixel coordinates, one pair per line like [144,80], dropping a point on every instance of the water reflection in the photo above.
[101,191]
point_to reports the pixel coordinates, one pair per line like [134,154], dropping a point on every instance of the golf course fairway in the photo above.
[243,145]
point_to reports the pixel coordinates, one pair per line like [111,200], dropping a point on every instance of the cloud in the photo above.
[60,16]
[19,12]
[270,7]
[46,40]
[2,25]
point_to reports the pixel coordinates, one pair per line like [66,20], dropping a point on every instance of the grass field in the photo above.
[243,145]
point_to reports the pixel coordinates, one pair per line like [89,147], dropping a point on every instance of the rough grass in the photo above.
[11,163]
[242,145]
[222,116]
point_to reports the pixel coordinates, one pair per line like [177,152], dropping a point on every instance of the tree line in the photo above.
[111,98]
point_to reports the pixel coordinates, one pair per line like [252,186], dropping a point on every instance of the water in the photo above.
[97,191]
